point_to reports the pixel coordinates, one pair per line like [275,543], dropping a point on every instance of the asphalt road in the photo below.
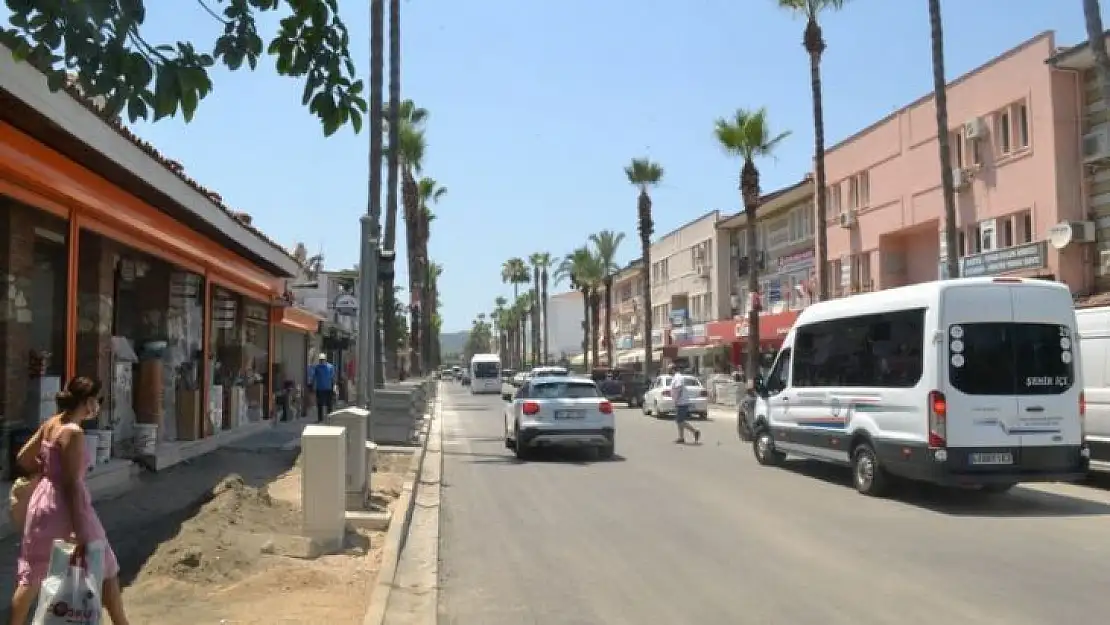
[669,534]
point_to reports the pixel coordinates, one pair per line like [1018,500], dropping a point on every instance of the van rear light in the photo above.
[938,420]
[1009,280]
[666,393]
[605,407]
[530,408]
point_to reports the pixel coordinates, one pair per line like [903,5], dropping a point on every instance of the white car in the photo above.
[549,371]
[559,411]
[658,400]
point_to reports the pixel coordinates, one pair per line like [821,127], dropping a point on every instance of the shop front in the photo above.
[773,328]
[174,313]
[296,331]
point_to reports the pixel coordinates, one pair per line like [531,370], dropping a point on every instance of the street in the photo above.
[670,534]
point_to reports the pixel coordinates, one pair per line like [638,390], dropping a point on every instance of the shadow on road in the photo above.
[574,457]
[1018,503]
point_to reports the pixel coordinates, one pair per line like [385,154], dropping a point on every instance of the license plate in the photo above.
[570,414]
[988,459]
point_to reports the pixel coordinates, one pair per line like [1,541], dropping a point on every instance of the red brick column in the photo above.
[17,245]
[95,307]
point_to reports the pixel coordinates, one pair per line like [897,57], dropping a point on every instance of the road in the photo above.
[669,534]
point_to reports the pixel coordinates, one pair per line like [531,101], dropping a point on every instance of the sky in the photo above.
[536,107]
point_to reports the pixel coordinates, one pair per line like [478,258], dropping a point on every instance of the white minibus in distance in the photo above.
[967,382]
[1094,345]
[485,374]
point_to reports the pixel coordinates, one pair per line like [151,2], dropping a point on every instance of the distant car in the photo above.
[658,400]
[559,411]
[465,379]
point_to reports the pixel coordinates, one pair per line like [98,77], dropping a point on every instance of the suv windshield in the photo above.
[486,370]
[1010,358]
[563,390]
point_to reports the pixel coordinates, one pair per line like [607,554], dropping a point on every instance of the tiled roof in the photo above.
[177,168]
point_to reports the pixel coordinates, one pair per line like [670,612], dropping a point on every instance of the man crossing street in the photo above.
[322,381]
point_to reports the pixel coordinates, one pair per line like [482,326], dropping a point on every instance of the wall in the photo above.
[897,158]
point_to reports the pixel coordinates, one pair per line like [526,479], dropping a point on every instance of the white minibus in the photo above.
[969,382]
[485,373]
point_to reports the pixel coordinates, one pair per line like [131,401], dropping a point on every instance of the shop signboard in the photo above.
[1028,256]
[678,317]
[795,262]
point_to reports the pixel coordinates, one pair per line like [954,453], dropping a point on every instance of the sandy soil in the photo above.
[216,569]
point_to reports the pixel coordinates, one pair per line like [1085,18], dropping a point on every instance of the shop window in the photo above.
[883,350]
[257,374]
[228,362]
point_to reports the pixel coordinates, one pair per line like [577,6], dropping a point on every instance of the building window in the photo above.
[861,271]
[832,203]
[859,191]
[961,242]
[1021,118]
[1025,232]
[956,143]
[1002,130]
[1006,235]
[988,242]
[976,152]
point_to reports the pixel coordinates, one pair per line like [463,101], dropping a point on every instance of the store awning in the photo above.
[297,319]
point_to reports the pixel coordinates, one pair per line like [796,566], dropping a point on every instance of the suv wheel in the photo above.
[763,445]
[519,447]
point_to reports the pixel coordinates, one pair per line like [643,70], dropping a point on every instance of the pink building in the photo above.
[1015,129]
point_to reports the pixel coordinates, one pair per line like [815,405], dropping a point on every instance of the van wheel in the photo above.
[763,445]
[868,475]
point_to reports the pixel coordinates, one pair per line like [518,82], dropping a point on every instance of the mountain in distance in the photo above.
[453,342]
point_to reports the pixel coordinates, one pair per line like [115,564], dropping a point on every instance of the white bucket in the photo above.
[91,439]
[103,446]
[146,439]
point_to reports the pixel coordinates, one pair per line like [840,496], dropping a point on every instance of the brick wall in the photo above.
[95,298]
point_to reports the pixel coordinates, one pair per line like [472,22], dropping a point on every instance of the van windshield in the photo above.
[1010,358]
[486,370]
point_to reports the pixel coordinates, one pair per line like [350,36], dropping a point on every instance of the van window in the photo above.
[777,379]
[883,350]
[1010,358]
[486,370]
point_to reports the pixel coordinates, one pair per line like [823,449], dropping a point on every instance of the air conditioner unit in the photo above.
[1096,145]
[848,218]
[975,128]
[703,271]
[961,179]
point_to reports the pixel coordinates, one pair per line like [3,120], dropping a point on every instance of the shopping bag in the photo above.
[20,498]
[70,594]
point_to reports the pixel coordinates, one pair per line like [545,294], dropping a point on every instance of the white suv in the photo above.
[557,412]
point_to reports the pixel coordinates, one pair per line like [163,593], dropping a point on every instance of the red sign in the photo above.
[772,328]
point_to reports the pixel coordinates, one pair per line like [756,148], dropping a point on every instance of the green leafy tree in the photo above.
[101,44]
[605,245]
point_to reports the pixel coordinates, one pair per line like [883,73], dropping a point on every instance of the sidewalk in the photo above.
[139,520]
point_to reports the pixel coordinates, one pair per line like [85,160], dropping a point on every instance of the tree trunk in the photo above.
[595,312]
[389,241]
[647,228]
[586,329]
[377,67]
[815,45]
[1097,41]
[749,190]
[546,349]
[940,95]
[609,321]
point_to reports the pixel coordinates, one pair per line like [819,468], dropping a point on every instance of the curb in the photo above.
[397,535]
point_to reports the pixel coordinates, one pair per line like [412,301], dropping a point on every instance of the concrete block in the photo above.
[373,520]
[323,478]
[355,423]
[371,457]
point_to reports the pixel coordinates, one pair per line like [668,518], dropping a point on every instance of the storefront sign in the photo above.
[1028,256]
[772,327]
[796,261]
[346,305]
[678,317]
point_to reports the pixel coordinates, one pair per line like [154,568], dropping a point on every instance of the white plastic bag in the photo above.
[70,594]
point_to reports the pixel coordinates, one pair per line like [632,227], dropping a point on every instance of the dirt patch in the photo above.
[217,570]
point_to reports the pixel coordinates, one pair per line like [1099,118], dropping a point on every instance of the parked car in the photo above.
[633,385]
[559,411]
[658,400]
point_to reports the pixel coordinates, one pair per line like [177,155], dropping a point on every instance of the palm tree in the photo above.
[500,312]
[582,269]
[947,185]
[392,124]
[433,319]
[605,244]
[645,174]
[814,43]
[410,148]
[749,136]
[544,262]
[1092,15]
[377,34]
[429,192]
[534,262]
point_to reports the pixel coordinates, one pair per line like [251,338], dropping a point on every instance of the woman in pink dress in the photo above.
[60,507]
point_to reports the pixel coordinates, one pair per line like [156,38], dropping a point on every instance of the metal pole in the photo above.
[376,368]
[365,346]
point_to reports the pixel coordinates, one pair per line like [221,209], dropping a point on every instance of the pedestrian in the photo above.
[323,382]
[682,407]
[60,508]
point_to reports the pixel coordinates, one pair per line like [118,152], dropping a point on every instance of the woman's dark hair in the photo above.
[78,391]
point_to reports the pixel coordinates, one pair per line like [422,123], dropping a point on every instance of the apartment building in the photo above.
[1015,135]
[627,326]
[784,259]
[685,283]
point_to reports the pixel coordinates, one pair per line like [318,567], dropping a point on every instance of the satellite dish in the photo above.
[1061,235]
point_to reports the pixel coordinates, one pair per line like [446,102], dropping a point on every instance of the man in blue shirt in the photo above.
[322,380]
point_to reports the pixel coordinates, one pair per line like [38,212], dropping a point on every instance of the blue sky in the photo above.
[537,106]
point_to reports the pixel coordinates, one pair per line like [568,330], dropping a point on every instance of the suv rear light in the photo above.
[605,407]
[938,420]
[666,393]
[530,408]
